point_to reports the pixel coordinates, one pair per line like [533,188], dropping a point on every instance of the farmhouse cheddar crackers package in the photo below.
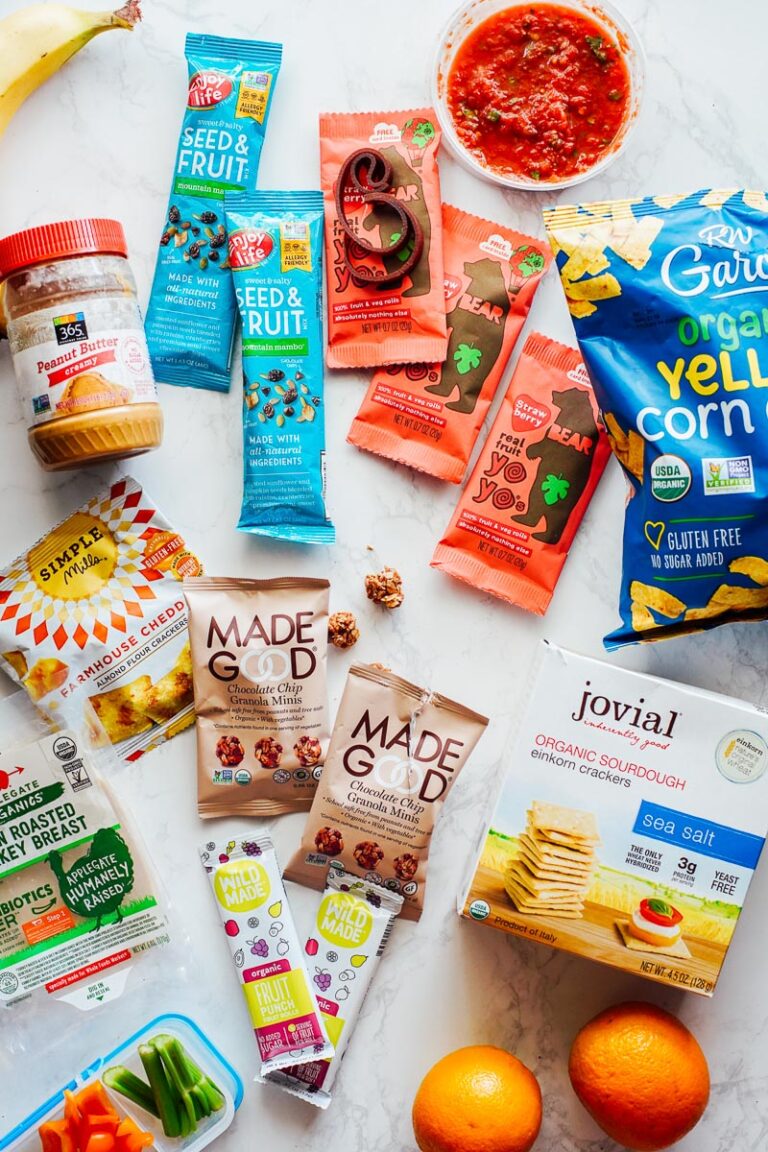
[629,824]
[516,519]
[429,415]
[383,238]
[667,294]
[94,612]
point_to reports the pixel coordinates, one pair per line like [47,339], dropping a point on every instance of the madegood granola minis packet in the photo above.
[383,237]
[394,754]
[275,250]
[266,952]
[518,515]
[668,301]
[428,416]
[192,311]
[259,654]
[94,613]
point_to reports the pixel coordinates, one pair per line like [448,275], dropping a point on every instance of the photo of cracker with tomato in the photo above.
[655,926]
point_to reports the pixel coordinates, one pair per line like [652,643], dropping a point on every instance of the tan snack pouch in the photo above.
[395,752]
[259,651]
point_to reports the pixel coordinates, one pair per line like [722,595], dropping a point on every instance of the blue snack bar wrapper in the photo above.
[667,294]
[192,313]
[275,251]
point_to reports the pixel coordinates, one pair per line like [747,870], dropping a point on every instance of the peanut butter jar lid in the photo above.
[61,241]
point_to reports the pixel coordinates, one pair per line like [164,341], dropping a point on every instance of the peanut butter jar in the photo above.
[78,345]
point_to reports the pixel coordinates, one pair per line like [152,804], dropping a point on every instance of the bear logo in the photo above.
[565,462]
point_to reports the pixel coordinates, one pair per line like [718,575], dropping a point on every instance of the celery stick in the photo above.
[168,1106]
[123,1081]
[168,1049]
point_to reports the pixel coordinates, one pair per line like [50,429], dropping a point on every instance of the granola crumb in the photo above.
[385,587]
[343,631]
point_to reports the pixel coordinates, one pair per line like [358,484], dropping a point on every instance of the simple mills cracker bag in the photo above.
[94,612]
[395,752]
[259,652]
[668,299]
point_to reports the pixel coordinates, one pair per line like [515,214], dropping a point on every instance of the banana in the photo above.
[38,39]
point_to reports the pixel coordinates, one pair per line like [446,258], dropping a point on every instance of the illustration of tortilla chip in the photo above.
[173,691]
[123,711]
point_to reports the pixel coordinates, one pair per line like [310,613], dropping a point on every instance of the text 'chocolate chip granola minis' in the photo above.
[395,751]
[259,651]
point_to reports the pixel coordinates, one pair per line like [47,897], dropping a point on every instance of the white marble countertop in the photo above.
[100,140]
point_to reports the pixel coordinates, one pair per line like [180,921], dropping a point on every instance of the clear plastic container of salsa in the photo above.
[538,97]
[78,346]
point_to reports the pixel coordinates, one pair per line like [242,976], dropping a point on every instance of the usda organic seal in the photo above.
[670,478]
[478,909]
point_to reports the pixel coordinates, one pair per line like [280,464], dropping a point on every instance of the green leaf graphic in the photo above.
[467,358]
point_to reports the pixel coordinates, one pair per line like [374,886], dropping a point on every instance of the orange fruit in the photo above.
[641,1075]
[477,1099]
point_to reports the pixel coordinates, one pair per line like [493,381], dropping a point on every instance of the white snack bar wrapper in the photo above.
[249,893]
[352,927]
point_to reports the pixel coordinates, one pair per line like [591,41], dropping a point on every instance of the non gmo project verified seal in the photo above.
[77,776]
[725,475]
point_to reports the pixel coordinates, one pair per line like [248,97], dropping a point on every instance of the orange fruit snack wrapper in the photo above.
[519,512]
[383,238]
[429,416]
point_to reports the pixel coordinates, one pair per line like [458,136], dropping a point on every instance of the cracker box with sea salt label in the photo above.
[630,822]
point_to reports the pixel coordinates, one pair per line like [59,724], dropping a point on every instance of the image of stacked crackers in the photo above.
[555,861]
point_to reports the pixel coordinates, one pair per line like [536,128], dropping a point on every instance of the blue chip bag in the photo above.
[192,312]
[275,250]
[668,296]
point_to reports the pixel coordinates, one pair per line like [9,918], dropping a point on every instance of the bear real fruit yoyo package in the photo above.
[266,952]
[192,310]
[521,508]
[94,612]
[259,652]
[668,301]
[383,237]
[429,415]
[394,754]
[77,900]
[353,923]
[276,254]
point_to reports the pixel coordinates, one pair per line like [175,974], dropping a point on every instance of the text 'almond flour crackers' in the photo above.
[94,612]
[395,752]
[667,295]
[259,658]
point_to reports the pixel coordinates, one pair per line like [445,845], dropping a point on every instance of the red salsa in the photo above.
[538,91]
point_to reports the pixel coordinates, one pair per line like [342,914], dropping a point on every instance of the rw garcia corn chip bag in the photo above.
[94,612]
[668,300]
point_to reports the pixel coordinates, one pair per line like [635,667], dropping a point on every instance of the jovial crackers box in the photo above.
[630,822]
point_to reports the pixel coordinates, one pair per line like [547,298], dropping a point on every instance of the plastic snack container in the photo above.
[24,1137]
